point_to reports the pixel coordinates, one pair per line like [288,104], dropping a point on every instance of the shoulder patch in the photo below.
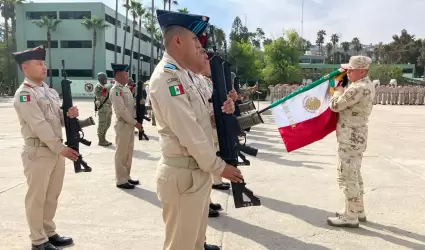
[118,93]
[170,66]
[176,90]
[24,96]
[173,80]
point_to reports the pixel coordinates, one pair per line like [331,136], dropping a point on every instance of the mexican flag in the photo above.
[304,116]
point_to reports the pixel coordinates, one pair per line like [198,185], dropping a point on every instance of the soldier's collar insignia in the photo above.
[170,66]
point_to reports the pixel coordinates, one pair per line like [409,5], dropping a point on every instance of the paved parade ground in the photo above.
[298,191]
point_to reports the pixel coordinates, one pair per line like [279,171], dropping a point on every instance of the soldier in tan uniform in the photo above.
[184,125]
[41,120]
[400,91]
[123,104]
[104,108]
[421,95]
[376,84]
[354,106]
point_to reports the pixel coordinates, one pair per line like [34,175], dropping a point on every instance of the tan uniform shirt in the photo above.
[40,115]
[354,106]
[123,103]
[182,116]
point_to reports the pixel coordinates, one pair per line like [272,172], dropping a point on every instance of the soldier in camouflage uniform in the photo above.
[104,108]
[354,106]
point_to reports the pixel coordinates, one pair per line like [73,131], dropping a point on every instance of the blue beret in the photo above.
[194,23]
[38,53]
[119,67]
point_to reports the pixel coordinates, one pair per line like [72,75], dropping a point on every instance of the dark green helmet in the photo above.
[102,76]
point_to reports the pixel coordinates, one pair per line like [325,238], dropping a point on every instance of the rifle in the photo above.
[73,126]
[228,128]
[141,111]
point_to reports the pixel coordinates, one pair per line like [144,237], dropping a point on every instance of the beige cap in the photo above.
[358,62]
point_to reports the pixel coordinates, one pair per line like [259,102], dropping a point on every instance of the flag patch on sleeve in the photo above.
[118,93]
[176,90]
[25,98]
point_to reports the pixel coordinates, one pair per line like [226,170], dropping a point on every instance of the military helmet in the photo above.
[102,75]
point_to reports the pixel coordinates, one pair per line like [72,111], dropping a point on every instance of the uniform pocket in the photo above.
[197,181]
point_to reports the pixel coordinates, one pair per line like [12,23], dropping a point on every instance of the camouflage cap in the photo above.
[102,75]
[358,62]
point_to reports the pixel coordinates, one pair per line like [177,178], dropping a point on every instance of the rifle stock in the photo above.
[228,130]
[141,111]
[73,126]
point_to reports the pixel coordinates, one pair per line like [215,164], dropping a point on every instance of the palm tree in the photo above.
[134,5]
[127,8]
[357,46]
[95,24]
[220,37]
[329,48]
[346,47]
[183,10]
[321,40]
[169,2]
[141,13]
[334,40]
[158,38]
[8,12]
[51,26]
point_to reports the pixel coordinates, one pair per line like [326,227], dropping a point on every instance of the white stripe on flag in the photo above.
[304,106]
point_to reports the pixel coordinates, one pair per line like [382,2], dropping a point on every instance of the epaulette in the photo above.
[170,66]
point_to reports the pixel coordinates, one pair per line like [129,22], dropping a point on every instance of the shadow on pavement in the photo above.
[280,161]
[317,217]
[267,238]
[145,195]
[144,156]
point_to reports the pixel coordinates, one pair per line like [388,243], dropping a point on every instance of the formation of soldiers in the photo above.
[281,90]
[391,94]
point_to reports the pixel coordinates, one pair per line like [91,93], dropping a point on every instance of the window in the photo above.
[79,72]
[75,44]
[408,71]
[74,14]
[34,15]
[127,52]
[55,72]
[33,44]
[126,28]
[112,20]
[111,47]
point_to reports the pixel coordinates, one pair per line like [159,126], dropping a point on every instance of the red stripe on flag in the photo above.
[181,89]
[304,133]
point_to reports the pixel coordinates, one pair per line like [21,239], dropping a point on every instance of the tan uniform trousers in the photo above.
[45,172]
[349,175]
[124,141]
[184,191]
[216,179]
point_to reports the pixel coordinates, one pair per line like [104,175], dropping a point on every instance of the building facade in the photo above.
[73,43]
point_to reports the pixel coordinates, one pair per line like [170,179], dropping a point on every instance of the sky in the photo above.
[372,21]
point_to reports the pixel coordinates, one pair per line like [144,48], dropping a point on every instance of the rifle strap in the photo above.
[101,105]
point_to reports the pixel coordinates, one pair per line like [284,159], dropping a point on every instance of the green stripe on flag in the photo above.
[176,90]
[24,98]
[323,79]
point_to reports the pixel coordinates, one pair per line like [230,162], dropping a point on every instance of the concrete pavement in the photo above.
[298,191]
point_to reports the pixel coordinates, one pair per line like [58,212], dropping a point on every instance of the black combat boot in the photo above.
[126,186]
[44,246]
[212,213]
[215,206]
[211,247]
[60,241]
[133,182]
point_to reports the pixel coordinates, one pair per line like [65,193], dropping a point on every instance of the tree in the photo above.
[116,32]
[357,46]
[334,40]
[126,28]
[169,2]
[321,40]
[386,72]
[421,58]
[346,47]
[134,7]
[183,10]
[141,12]
[281,62]
[243,58]
[329,48]
[51,26]
[95,24]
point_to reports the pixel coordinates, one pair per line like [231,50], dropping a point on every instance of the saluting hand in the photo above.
[228,106]
[69,153]
[72,112]
[232,173]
